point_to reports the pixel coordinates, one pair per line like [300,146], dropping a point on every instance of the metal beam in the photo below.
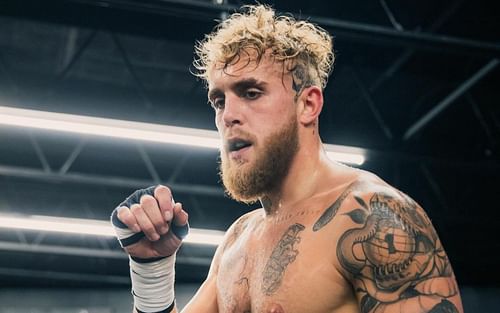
[62,250]
[6,70]
[39,152]
[371,104]
[138,83]
[73,155]
[36,174]
[482,121]
[148,163]
[90,252]
[51,275]
[178,168]
[435,187]
[441,106]
[391,16]
[70,47]
[351,30]
[64,72]
[408,53]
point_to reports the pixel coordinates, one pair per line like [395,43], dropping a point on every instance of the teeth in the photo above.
[239,145]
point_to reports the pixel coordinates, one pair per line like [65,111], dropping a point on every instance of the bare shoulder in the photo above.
[388,249]
[237,228]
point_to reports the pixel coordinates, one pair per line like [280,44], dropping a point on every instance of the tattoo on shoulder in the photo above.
[395,257]
[331,211]
[283,254]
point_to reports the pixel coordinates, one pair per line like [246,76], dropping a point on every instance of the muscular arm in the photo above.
[393,257]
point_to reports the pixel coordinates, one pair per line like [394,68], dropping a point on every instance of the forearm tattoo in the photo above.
[394,256]
[283,254]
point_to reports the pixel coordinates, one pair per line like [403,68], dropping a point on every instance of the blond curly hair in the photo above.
[292,42]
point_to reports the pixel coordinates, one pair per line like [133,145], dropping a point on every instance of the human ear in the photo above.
[311,105]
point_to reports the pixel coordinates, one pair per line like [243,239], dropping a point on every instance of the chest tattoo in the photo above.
[283,254]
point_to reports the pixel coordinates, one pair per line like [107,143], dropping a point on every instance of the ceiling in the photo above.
[415,84]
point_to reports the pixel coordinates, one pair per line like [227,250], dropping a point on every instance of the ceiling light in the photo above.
[139,131]
[92,227]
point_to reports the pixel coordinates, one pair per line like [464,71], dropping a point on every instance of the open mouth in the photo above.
[237,144]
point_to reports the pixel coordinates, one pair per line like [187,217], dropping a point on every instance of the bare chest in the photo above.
[288,271]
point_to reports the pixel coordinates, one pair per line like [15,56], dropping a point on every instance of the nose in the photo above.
[232,114]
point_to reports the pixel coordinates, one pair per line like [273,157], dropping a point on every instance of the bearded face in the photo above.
[248,181]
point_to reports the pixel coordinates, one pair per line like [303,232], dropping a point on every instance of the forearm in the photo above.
[150,227]
[153,284]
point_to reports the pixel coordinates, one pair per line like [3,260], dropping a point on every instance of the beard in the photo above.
[247,182]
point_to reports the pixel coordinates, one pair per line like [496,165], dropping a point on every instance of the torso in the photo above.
[283,264]
[356,246]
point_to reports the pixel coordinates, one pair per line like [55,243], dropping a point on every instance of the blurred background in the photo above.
[415,87]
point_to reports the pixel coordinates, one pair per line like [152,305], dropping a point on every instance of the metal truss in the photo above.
[353,30]
[411,39]
[400,61]
[443,104]
[41,175]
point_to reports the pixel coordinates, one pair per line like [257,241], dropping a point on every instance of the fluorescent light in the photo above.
[93,227]
[140,131]
[58,224]
[345,154]
[108,127]
[204,236]
[346,157]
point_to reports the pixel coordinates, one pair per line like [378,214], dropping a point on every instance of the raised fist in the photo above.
[149,224]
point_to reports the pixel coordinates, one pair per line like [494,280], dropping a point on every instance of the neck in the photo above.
[306,168]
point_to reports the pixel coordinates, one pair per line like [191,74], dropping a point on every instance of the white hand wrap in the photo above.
[153,284]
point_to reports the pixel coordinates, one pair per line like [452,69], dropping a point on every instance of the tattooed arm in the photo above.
[393,257]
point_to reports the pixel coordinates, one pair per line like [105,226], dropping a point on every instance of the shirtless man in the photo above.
[328,238]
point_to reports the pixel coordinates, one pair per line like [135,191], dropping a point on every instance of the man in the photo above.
[328,238]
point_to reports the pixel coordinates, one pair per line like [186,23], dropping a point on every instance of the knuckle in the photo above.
[149,229]
[158,224]
[135,208]
[162,190]
[147,201]
[124,215]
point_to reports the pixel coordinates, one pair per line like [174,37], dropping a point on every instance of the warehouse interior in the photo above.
[415,89]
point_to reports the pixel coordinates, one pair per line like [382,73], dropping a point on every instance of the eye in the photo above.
[252,94]
[217,103]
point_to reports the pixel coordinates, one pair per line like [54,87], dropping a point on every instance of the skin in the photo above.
[340,241]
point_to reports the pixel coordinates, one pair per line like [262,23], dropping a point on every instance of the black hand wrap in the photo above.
[125,236]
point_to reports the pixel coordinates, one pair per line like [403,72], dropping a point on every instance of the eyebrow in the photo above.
[238,86]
